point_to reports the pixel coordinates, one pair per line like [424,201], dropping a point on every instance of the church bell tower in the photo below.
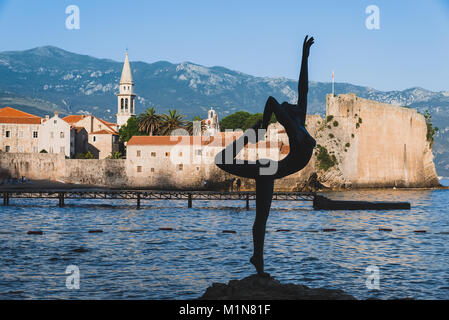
[126,96]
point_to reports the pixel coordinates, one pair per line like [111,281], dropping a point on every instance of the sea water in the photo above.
[133,259]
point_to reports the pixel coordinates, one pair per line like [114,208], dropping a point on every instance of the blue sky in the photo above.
[257,37]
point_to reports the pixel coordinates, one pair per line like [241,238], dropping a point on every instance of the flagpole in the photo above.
[333,86]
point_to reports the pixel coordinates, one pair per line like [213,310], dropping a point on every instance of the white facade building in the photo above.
[57,136]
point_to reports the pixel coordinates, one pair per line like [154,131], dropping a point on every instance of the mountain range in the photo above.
[47,79]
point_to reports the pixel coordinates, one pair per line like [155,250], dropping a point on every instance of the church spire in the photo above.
[127,77]
[126,96]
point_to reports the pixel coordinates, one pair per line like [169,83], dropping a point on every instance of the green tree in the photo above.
[234,121]
[130,129]
[149,121]
[242,120]
[171,121]
[431,130]
[115,155]
[252,120]
[89,155]
[325,161]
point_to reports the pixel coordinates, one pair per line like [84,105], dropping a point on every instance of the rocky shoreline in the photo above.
[255,287]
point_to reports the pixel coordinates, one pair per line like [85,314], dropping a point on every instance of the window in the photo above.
[8,134]
[94,138]
[180,167]
[7,148]
[35,150]
[20,149]
[180,154]
[35,134]
[126,104]
[121,104]
[198,152]
[152,170]
[153,154]
[55,121]
[61,135]
[197,168]
[139,168]
[138,153]
[167,154]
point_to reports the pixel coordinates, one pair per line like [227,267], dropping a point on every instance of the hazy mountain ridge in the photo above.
[46,79]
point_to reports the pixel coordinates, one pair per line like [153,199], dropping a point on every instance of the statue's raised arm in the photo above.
[303,84]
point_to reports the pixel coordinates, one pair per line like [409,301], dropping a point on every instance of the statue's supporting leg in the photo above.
[264,194]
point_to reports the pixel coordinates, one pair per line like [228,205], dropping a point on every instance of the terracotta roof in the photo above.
[11,115]
[78,117]
[105,132]
[107,124]
[73,118]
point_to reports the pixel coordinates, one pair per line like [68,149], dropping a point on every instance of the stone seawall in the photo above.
[55,167]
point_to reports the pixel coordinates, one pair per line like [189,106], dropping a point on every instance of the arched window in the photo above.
[122,104]
[132,105]
[126,104]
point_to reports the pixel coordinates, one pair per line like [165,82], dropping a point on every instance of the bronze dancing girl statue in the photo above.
[293,118]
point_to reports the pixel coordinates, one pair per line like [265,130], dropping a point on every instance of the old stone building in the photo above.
[19,131]
[181,161]
[102,137]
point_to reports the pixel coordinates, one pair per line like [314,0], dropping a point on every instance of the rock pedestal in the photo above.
[259,288]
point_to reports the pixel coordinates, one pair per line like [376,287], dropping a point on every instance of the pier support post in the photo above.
[61,199]
[6,199]
[189,202]
[138,200]
[247,202]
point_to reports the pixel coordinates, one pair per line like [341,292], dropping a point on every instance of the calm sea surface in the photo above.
[132,259]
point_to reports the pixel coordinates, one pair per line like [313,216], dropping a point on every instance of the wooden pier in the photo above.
[147,195]
[319,202]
